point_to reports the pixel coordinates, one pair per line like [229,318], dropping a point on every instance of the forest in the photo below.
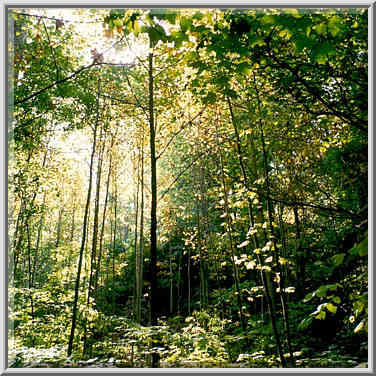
[188,188]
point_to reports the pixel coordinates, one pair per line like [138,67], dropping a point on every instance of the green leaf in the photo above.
[118,22]
[268,19]
[285,33]
[244,68]
[308,297]
[335,26]
[185,24]
[331,308]
[321,291]
[322,51]
[320,28]
[363,247]
[178,38]
[338,259]
[210,98]
[256,41]
[333,287]
[305,323]
[321,315]
[156,33]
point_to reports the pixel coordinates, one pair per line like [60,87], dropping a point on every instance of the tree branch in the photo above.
[54,84]
[176,133]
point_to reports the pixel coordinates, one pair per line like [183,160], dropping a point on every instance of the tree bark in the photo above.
[265,279]
[273,238]
[232,245]
[93,257]
[140,255]
[153,212]
[77,284]
[58,230]
[97,271]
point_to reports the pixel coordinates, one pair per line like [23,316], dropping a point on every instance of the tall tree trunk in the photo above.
[23,219]
[30,286]
[98,269]
[114,249]
[299,257]
[172,284]
[270,210]
[141,243]
[229,231]
[265,278]
[77,285]
[71,237]
[189,281]
[58,230]
[137,272]
[153,212]
[93,257]
[178,298]
[29,277]
[16,243]
[204,216]
[39,238]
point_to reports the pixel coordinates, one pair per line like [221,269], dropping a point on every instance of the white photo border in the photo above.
[4,109]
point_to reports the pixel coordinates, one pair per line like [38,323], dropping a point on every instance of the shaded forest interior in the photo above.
[188,188]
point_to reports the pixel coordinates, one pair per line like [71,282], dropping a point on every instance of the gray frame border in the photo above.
[5,5]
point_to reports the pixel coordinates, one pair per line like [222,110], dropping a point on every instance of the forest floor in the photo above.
[323,359]
[124,344]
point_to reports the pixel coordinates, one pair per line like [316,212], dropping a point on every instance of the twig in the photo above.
[52,51]
[176,133]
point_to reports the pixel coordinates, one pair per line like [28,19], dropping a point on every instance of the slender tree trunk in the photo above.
[265,278]
[24,219]
[114,250]
[178,285]
[93,257]
[77,285]
[171,283]
[232,245]
[285,255]
[189,281]
[30,285]
[16,243]
[140,257]
[73,223]
[58,230]
[97,271]
[137,271]
[39,238]
[204,208]
[86,263]
[153,213]
[270,210]
[299,257]
[199,245]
